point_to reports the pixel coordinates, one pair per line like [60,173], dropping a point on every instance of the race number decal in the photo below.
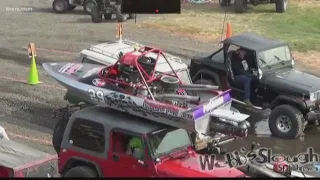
[96,95]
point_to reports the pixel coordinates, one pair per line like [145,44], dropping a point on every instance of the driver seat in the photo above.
[231,78]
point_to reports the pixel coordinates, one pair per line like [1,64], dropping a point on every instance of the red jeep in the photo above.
[94,143]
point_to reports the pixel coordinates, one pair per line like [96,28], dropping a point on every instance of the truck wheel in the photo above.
[71,8]
[240,6]
[57,135]
[286,122]
[132,16]
[80,171]
[60,6]
[281,5]
[107,16]
[95,15]
[88,4]
[224,3]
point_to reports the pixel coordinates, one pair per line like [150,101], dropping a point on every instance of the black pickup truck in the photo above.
[292,95]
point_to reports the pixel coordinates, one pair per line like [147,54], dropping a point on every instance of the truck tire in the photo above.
[107,16]
[240,6]
[88,4]
[96,17]
[281,6]
[60,6]
[224,3]
[286,122]
[71,7]
[81,171]
[57,135]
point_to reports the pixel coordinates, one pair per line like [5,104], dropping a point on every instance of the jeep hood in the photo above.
[190,167]
[292,80]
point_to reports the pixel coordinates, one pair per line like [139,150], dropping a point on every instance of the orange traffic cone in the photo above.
[229,30]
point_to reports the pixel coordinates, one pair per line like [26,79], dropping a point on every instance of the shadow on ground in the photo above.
[89,20]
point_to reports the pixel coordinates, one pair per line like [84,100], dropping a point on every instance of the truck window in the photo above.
[88,135]
[125,144]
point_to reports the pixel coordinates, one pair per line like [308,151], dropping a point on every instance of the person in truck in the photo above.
[134,143]
[241,73]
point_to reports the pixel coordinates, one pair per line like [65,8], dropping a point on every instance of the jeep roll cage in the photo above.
[253,42]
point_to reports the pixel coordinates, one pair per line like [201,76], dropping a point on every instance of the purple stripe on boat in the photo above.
[198,113]
[226,97]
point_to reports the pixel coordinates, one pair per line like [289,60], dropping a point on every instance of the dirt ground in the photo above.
[26,111]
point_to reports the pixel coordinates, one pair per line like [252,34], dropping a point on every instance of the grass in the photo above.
[300,25]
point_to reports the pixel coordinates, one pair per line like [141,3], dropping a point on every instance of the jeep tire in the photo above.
[80,171]
[240,6]
[286,122]
[96,17]
[281,6]
[88,4]
[60,6]
[224,3]
[57,135]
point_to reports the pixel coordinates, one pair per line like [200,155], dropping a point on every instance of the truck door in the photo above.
[123,162]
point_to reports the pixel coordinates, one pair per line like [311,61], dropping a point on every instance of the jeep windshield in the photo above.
[275,56]
[168,140]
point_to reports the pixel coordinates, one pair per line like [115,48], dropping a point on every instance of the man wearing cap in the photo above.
[134,143]
[241,73]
